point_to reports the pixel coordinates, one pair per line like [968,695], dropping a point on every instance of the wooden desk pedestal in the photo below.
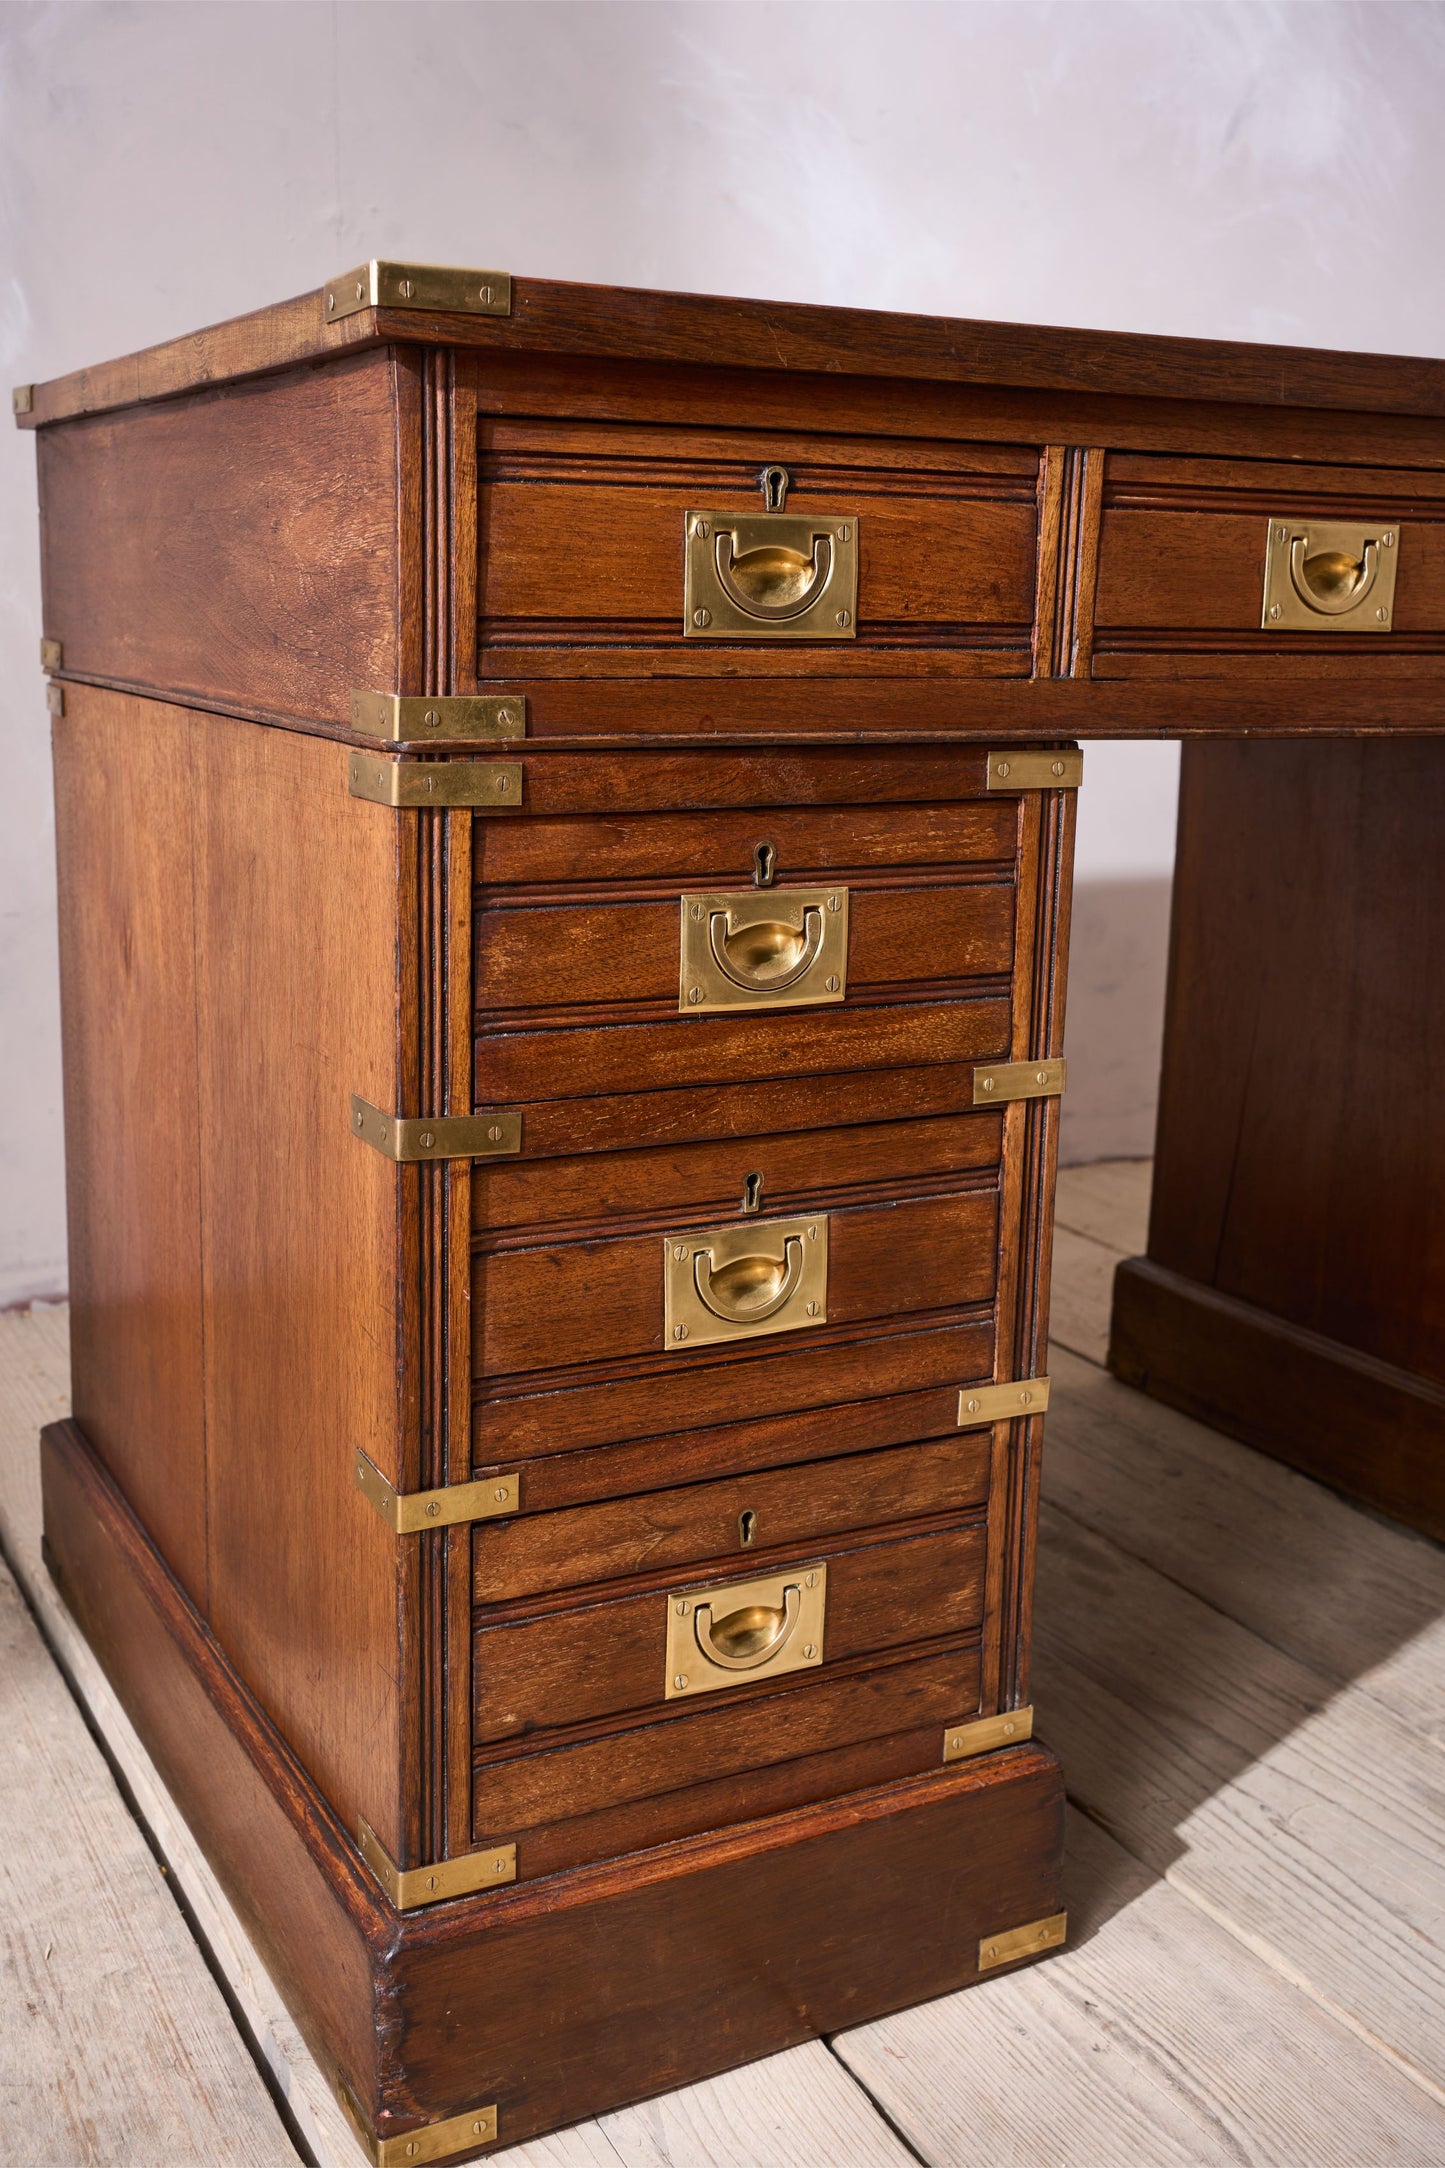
[565,805]
[1291,1293]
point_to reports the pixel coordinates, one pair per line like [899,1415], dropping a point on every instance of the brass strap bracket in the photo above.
[1023,1941]
[409,1137]
[407,1513]
[1060,770]
[425,783]
[52,655]
[987,1733]
[980,1404]
[1003,1080]
[413,2148]
[414,719]
[435,288]
[408,1887]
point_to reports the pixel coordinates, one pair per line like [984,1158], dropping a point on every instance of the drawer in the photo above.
[535,955]
[608,1655]
[1182,567]
[677,1528]
[582,540]
[559,1304]
[705,1768]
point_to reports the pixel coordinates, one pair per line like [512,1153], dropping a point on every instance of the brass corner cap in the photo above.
[22,400]
[432,2142]
[433,288]
[1029,1941]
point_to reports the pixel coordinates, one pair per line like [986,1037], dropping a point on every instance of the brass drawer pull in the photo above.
[729,1283]
[774,579]
[743,1631]
[756,948]
[765,955]
[747,1289]
[749,1635]
[1330,576]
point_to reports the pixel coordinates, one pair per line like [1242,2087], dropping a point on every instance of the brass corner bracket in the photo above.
[22,400]
[411,1137]
[435,288]
[52,655]
[981,1404]
[1060,770]
[408,1887]
[413,2148]
[1003,1080]
[408,1513]
[427,783]
[987,1733]
[414,719]
[1019,1942]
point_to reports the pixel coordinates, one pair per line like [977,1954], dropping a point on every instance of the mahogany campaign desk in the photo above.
[564,803]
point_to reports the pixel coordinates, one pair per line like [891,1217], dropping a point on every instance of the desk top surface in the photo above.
[635,325]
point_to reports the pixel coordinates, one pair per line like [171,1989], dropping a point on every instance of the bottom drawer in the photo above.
[708,1766]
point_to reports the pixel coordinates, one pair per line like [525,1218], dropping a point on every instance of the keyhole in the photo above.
[775,482]
[752,1192]
[747,1529]
[765,865]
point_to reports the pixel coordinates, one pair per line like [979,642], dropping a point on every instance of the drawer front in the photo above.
[582,532]
[707,1767]
[1183,550]
[537,956]
[604,1657]
[562,1304]
[683,1527]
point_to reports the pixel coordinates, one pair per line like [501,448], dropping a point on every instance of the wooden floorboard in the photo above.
[1246,1678]
[115,2042]
[1152,2041]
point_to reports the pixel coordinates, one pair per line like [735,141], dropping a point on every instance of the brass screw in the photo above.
[694,993]
[506,718]
[494,1134]
[697,910]
[1025,1398]
[331,301]
[972,1406]
[1008,1731]
[501,1494]
[433,1509]
[479,2128]
[682,1610]
[679,1251]
[699,528]
[1041,1076]
[1003,769]
[1383,616]
[431,1881]
[679,1332]
[1057,768]
[832,982]
[484,293]
[412,2149]
[812,1580]
[844,533]
[358,1119]
[499,1866]
[504,783]
[1279,534]
[990,1950]
[812,1309]
[812,1234]
[835,903]
[955,1743]
[1387,541]
[406,289]
[808,1649]
[431,718]
[427,1139]
[702,617]
[844,619]
[360,290]
[986,1083]
[1275,611]
[680,1681]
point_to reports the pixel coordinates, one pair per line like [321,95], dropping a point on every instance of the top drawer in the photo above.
[1217,567]
[584,533]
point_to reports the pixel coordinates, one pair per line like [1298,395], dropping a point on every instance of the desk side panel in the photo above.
[124,801]
[302,953]
[242,547]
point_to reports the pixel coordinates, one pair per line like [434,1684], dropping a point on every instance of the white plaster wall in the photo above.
[1240,171]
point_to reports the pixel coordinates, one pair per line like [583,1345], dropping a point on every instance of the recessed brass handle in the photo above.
[765,955]
[1331,580]
[751,1635]
[746,1289]
[773,581]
